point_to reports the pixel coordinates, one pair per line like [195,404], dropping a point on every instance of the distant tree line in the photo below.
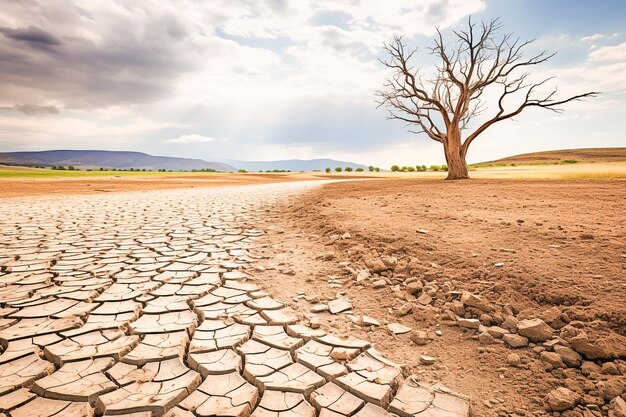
[418,168]
[350,169]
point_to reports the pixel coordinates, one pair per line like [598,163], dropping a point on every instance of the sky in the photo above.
[282,79]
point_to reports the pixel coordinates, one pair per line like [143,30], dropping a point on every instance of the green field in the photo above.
[24,172]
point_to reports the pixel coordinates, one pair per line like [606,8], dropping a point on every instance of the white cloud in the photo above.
[591,38]
[609,53]
[190,139]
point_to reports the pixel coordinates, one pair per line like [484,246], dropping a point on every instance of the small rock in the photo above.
[513,359]
[427,360]
[414,287]
[425,299]
[339,305]
[319,308]
[471,300]
[510,323]
[369,321]
[422,231]
[618,408]
[535,330]
[562,399]
[397,328]
[569,356]
[588,368]
[497,332]
[405,309]
[328,256]
[376,265]
[499,264]
[515,340]
[419,337]
[552,358]
[362,275]
[610,389]
[486,339]
[610,368]
[379,283]
[469,323]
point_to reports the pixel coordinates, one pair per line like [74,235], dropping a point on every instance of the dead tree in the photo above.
[443,105]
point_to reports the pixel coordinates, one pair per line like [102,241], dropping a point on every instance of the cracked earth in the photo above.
[143,304]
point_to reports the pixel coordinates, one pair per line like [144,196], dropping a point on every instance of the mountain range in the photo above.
[292,164]
[96,159]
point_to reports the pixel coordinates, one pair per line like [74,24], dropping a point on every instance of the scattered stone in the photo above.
[380,283]
[535,330]
[510,323]
[319,308]
[552,358]
[569,356]
[368,321]
[425,299]
[497,332]
[427,360]
[405,309]
[471,300]
[397,328]
[469,323]
[610,368]
[618,408]
[486,339]
[562,399]
[610,389]
[419,337]
[339,305]
[513,359]
[414,287]
[515,340]
[422,231]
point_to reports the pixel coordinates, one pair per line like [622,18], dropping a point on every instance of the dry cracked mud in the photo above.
[146,303]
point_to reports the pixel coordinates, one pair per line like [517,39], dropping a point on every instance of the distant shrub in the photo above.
[395,168]
[359,170]
[370,168]
[570,161]
[338,169]
[376,169]
[242,171]
[434,167]
[411,169]
[327,170]
[348,169]
[443,167]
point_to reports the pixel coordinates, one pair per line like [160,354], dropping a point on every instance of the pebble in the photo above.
[513,359]
[419,337]
[515,340]
[427,360]
[397,328]
[319,308]
[469,323]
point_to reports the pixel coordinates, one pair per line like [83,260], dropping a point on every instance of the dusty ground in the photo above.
[14,187]
[561,251]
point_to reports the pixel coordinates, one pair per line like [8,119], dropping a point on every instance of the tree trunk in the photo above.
[457,167]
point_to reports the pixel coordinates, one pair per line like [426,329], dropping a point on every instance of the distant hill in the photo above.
[564,156]
[108,159]
[292,164]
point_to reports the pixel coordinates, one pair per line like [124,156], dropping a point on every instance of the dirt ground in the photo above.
[554,250]
[15,187]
